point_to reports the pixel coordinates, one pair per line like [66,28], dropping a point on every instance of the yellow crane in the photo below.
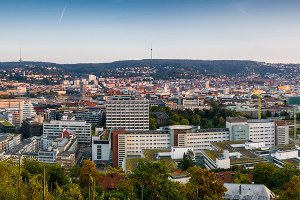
[295,124]
[259,98]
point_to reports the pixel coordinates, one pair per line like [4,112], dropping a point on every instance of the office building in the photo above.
[256,130]
[127,112]
[80,128]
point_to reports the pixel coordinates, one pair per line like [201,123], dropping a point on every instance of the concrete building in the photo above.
[61,149]
[80,128]
[127,112]
[241,129]
[9,141]
[282,133]
[27,110]
[262,131]
[225,155]
[31,128]
[131,143]
[238,129]
[101,148]
[126,144]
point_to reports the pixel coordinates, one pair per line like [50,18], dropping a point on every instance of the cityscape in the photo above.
[136,120]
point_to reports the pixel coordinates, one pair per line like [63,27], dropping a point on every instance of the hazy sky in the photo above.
[71,31]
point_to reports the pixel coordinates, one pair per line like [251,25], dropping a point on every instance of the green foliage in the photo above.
[204,184]
[187,161]
[283,175]
[152,123]
[273,177]
[150,181]
[241,178]
[214,117]
[291,190]
[262,173]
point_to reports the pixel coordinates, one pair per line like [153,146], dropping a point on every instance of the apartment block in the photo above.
[80,128]
[127,112]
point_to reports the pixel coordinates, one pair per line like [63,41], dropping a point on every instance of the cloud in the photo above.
[62,14]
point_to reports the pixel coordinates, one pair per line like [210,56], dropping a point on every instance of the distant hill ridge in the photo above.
[171,67]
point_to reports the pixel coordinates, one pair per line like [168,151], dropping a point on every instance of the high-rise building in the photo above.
[282,133]
[127,112]
[27,110]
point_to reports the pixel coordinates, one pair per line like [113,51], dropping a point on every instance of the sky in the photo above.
[92,31]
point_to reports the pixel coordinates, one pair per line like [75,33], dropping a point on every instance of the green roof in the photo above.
[150,154]
[4,122]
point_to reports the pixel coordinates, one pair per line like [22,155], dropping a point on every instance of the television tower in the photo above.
[151,51]
[20,55]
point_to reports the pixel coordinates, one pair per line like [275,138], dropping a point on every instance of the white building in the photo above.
[256,130]
[132,143]
[61,149]
[101,148]
[282,133]
[127,112]
[262,131]
[201,139]
[27,110]
[80,128]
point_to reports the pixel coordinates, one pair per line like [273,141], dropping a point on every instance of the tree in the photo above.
[175,117]
[241,178]
[196,120]
[150,181]
[204,184]
[187,161]
[291,189]
[152,123]
[283,175]
[268,113]
[87,171]
[262,173]
[184,122]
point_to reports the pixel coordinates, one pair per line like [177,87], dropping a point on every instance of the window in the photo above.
[99,152]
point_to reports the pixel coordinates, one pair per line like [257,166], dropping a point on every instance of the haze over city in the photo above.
[105,31]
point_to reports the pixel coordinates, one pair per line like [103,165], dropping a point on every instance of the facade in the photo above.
[28,148]
[9,141]
[262,131]
[27,110]
[225,155]
[282,133]
[80,128]
[31,128]
[91,117]
[61,149]
[238,128]
[121,144]
[101,148]
[256,130]
[127,112]
[13,115]
[132,143]
[201,139]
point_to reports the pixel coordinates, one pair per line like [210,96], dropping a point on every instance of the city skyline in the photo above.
[93,31]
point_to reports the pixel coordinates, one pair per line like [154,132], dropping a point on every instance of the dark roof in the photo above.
[161,115]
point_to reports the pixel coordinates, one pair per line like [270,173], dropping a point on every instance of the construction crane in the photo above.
[295,124]
[259,98]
